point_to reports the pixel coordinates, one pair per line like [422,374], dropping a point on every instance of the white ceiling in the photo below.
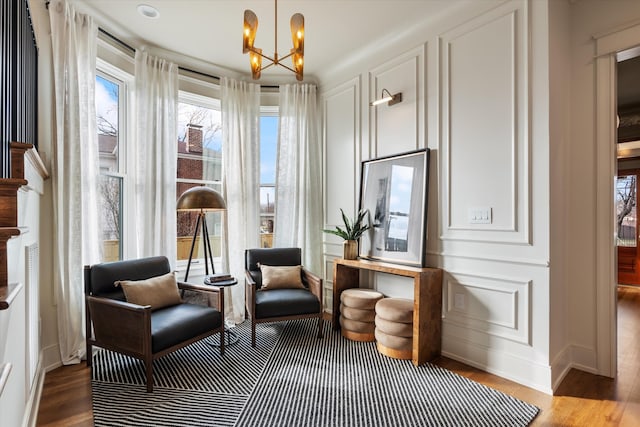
[211,30]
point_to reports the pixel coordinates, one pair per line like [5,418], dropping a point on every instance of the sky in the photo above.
[268,144]
[106,100]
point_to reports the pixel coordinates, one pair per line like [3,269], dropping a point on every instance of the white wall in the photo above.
[504,93]
[20,323]
[475,90]
[559,117]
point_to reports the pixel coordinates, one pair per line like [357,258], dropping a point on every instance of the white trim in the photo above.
[510,366]
[50,357]
[33,402]
[617,39]
[608,44]
[493,258]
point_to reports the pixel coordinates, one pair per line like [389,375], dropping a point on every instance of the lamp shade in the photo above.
[201,198]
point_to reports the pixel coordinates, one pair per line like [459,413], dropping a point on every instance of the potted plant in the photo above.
[351,232]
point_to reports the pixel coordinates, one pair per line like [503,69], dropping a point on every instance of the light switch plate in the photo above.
[481,215]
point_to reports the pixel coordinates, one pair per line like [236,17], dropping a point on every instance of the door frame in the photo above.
[607,46]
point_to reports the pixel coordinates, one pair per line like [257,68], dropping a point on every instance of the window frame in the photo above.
[125,82]
[197,98]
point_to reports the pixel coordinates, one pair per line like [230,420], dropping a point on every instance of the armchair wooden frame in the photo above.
[310,280]
[131,333]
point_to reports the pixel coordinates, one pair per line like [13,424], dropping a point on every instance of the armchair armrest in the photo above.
[249,278]
[119,324]
[250,293]
[183,286]
[314,282]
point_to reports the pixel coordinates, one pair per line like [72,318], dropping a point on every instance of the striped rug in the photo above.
[294,379]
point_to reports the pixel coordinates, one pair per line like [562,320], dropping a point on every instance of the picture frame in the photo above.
[394,191]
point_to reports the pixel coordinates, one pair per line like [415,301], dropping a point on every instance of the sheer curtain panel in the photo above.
[153,157]
[298,175]
[75,170]
[240,158]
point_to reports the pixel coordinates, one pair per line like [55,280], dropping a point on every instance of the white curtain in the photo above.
[75,170]
[240,158]
[153,157]
[299,176]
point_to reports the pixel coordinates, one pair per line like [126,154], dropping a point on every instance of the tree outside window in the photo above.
[109,107]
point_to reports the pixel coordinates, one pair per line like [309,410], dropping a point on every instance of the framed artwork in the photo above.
[394,190]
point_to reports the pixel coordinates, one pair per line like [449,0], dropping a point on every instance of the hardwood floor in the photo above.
[581,400]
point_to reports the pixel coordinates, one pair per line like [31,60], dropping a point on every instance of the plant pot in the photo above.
[350,249]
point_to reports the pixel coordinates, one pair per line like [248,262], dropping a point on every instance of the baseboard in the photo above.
[584,358]
[561,366]
[503,364]
[33,403]
[51,357]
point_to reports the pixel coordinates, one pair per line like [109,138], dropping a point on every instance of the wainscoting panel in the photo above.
[328,283]
[342,155]
[32,255]
[400,127]
[496,306]
[484,128]
[341,150]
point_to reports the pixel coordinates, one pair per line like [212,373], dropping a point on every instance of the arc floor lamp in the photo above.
[202,200]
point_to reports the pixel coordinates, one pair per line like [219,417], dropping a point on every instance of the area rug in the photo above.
[293,378]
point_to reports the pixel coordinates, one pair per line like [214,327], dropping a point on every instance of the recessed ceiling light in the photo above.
[148,11]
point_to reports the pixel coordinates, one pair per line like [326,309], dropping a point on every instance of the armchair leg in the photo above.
[89,355]
[253,332]
[320,328]
[148,365]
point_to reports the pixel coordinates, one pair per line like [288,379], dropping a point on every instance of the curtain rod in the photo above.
[189,70]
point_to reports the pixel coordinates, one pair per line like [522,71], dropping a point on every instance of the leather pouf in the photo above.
[394,327]
[357,313]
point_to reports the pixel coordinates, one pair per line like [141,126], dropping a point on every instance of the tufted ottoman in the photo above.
[357,313]
[394,327]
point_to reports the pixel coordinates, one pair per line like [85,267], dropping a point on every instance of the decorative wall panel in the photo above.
[484,129]
[493,305]
[342,151]
[401,127]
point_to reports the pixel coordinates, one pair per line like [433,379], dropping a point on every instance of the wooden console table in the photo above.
[427,300]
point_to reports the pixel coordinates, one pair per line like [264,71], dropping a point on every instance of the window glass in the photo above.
[109,105]
[199,148]
[268,152]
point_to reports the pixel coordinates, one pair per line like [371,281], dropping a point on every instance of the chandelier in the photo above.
[255,54]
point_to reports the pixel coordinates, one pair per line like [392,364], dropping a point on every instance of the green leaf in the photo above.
[353,229]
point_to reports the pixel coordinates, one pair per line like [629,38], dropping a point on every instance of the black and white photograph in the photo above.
[394,192]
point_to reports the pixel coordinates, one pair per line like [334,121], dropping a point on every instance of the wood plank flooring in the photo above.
[581,400]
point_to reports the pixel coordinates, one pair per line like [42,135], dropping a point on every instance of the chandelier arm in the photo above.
[288,68]
[251,49]
[267,66]
[285,57]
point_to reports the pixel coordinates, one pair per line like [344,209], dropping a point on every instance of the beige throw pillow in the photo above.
[281,277]
[158,292]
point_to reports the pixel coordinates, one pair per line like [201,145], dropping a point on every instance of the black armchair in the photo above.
[139,331]
[274,305]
